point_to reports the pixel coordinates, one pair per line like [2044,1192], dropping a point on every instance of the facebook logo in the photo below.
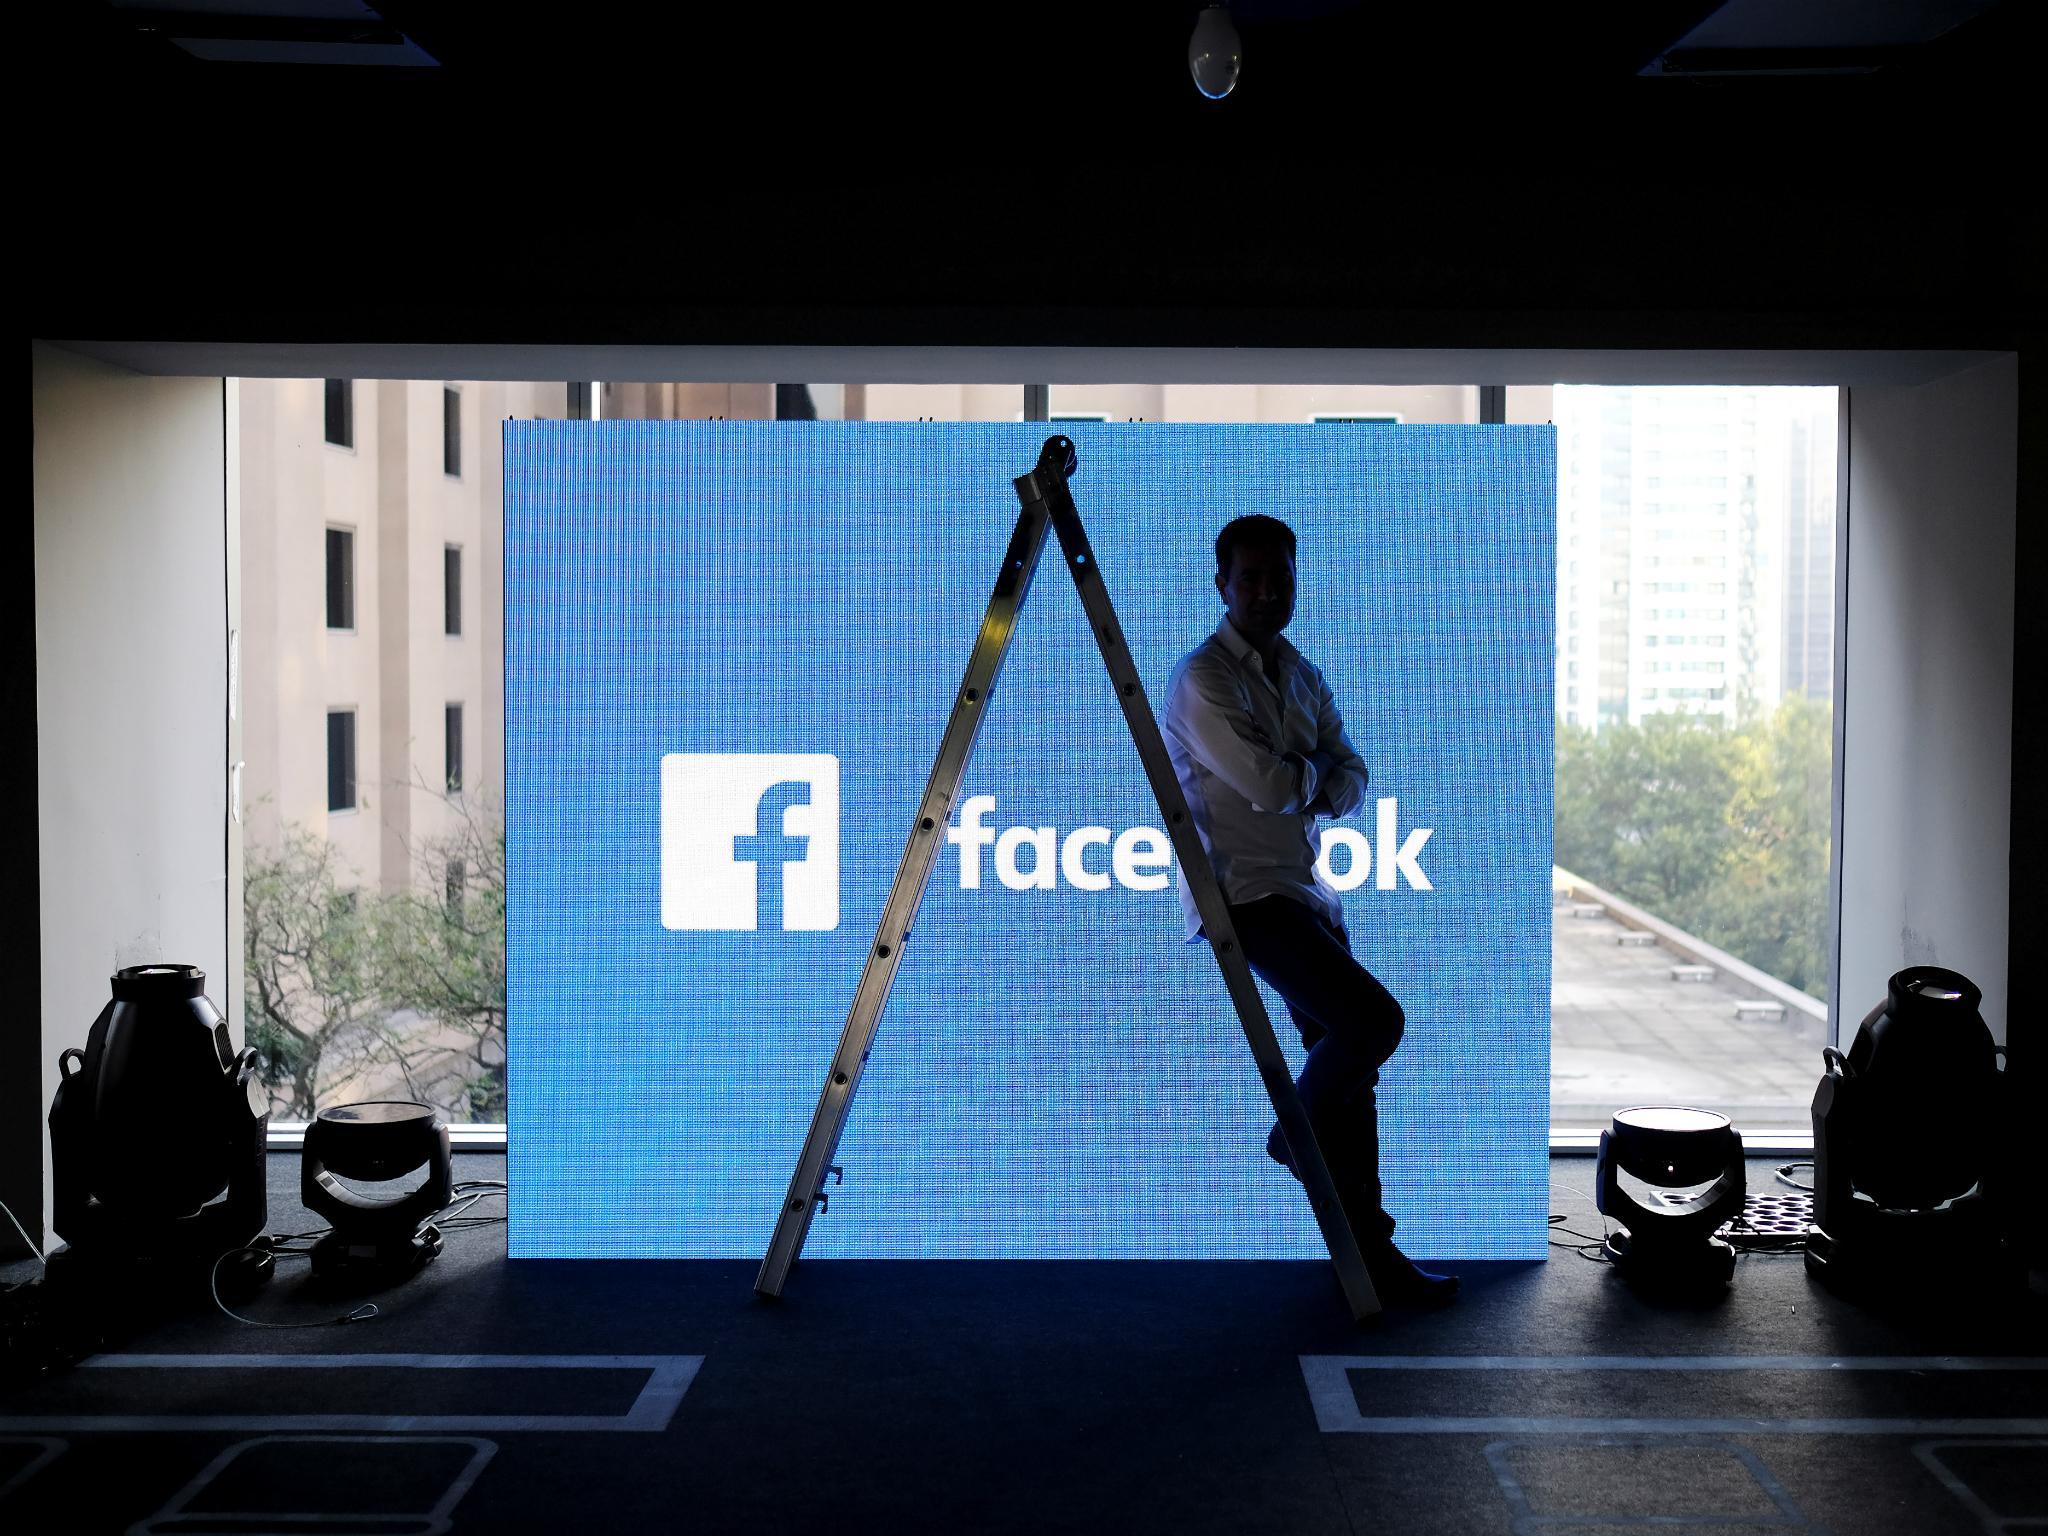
[749,841]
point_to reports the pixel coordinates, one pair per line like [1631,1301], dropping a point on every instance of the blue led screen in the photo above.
[731,650]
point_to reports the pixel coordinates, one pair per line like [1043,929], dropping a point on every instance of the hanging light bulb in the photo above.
[1215,53]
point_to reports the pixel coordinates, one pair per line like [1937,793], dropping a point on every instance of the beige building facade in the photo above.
[402,507]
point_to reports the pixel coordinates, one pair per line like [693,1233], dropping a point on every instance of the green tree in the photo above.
[355,983]
[1642,810]
[1770,904]
[310,999]
[1723,833]
[442,953]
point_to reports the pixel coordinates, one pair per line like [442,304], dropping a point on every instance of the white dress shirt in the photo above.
[1241,741]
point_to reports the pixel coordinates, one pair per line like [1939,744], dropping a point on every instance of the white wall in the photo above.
[1927,672]
[131,541]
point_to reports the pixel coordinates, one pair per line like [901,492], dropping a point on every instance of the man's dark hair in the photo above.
[1255,529]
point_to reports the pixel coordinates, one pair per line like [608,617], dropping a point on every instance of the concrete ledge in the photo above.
[1697,950]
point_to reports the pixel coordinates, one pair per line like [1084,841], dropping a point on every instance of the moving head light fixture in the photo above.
[1909,1143]
[1670,1242]
[376,1237]
[156,1133]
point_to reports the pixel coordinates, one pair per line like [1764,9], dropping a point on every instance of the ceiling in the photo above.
[1305,60]
[1600,174]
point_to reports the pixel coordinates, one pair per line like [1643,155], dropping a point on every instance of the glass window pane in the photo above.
[353,887]
[1695,747]
[1304,404]
[451,432]
[1694,615]
[341,579]
[341,760]
[934,402]
[340,421]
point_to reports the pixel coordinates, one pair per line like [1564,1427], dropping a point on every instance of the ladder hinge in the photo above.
[838,1175]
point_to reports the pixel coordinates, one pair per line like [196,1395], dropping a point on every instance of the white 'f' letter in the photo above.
[972,837]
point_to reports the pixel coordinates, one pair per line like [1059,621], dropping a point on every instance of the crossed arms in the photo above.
[1209,717]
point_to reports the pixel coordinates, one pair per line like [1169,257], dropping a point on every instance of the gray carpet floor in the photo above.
[1011,1397]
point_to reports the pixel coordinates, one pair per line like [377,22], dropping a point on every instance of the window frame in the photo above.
[451,613]
[451,432]
[352,777]
[347,442]
[452,763]
[348,531]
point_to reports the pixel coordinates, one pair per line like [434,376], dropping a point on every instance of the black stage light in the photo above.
[375,1238]
[1907,1148]
[156,1135]
[1671,1242]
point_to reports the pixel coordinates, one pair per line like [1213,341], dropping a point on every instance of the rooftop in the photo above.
[1634,1021]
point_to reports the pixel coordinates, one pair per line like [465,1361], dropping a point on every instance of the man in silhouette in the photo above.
[1261,753]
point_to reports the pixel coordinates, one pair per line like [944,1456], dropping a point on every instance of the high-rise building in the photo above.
[1695,550]
[1810,555]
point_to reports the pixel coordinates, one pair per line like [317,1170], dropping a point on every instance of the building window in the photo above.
[451,432]
[451,590]
[341,578]
[341,760]
[451,736]
[341,412]
[1382,419]
[457,879]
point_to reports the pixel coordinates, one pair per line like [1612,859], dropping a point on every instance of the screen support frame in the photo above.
[1046,500]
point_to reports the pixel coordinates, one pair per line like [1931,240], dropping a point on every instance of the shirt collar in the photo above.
[1243,649]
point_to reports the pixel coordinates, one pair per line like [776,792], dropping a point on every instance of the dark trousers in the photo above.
[1350,1024]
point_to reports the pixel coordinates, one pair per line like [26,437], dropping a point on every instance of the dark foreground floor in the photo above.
[1169,1397]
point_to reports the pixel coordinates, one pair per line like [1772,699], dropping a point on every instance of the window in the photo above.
[1389,419]
[451,737]
[1702,492]
[457,878]
[341,412]
[341,760]
[341,578]
[451,590]
[451,431]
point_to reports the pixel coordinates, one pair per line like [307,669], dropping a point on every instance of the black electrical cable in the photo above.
[1785,1175]
[1593,1249]
[463,1197]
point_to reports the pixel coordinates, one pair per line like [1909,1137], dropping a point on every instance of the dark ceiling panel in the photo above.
[977,178]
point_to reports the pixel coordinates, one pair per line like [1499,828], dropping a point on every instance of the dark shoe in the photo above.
[1399,1283]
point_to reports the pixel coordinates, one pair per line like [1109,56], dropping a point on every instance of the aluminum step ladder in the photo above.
[1046,499]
